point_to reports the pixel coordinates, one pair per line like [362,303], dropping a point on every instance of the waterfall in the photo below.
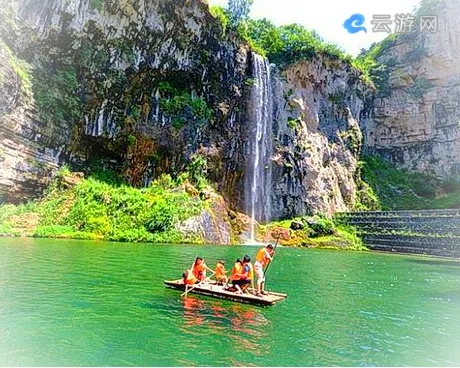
[259,170]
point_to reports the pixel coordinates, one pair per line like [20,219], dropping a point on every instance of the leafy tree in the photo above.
[289,43]
[239,10]
[220,13]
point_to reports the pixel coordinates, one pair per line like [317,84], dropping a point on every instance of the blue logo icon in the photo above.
[354,24]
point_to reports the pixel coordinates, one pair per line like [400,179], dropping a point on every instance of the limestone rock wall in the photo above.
[26,163]
[318,107]
[124,70]
[416,122]
[156,86]
[212,226]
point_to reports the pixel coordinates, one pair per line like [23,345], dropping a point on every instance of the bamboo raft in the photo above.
[214,290]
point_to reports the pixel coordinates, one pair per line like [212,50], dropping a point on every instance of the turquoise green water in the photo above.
[87,303]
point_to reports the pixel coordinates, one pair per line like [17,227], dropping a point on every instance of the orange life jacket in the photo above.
[261,257]
[190,278]
[220,270]
[246,275]
[237,269]
[198,270]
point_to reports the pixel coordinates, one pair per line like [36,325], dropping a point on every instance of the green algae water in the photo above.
[74,303]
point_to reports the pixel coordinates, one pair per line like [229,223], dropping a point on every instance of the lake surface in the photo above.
[73,303]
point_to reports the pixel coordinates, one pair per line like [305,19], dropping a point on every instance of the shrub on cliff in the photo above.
[220,13]
[366,199]
[320,226]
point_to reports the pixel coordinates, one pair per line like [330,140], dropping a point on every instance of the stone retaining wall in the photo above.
[433,232]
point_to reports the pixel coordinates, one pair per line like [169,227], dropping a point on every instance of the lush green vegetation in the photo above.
[374,71]
[345,237]
[56,94]
[20,67]
[181,106]
[366,199]
[317,232]
[220,13]
[282,45]
[398,189]
[287,44]
[90,208]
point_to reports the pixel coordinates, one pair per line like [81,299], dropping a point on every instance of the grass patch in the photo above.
[63,232]
[346,237]
[88,208]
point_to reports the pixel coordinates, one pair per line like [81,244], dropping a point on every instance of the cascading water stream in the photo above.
[258,171]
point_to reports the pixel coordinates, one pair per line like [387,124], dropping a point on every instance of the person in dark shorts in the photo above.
[243,279]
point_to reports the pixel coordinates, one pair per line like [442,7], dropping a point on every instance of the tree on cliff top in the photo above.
[239,10]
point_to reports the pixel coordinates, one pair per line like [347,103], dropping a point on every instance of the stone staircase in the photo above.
[433,232]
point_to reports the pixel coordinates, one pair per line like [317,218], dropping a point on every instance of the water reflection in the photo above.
[194,309]
[244,326]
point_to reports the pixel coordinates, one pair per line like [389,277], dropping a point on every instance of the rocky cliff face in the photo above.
[147,87]
[318,107]
[143,86]
[26,161]
[417,114]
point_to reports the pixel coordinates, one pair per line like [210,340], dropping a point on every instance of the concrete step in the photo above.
[407,213]
[435,232]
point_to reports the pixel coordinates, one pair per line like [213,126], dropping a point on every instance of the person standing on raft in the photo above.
[263,258]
